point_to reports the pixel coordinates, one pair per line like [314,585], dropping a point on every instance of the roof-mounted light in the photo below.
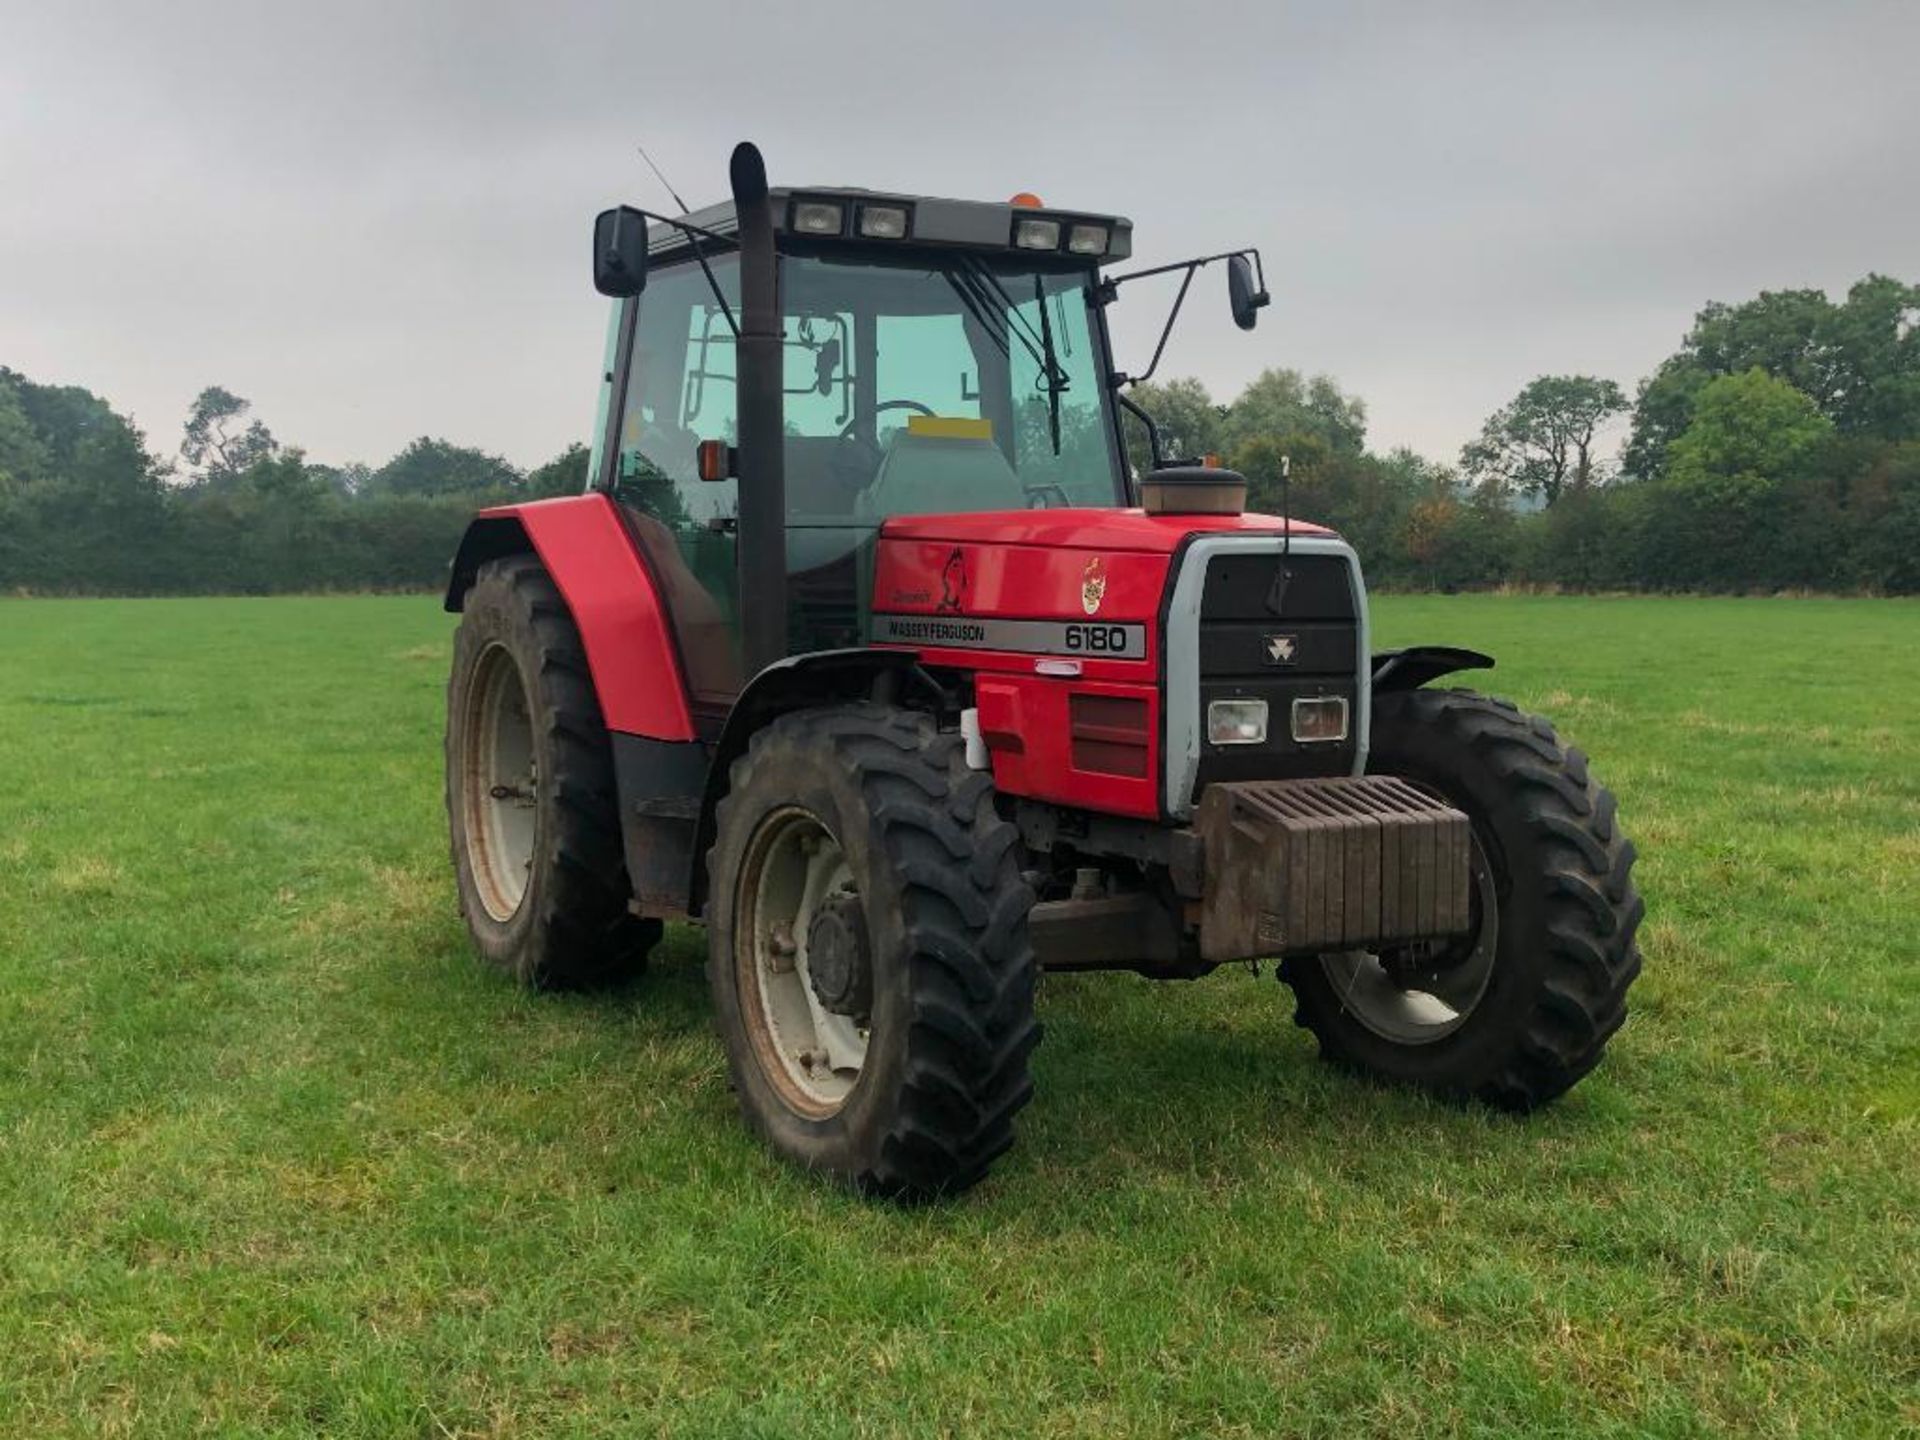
[817,217]
[883,222]
[1033,233]
[1087,240]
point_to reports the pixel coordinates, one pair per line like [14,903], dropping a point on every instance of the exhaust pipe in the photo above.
[761,552]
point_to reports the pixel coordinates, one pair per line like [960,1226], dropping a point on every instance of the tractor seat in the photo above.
[925,474]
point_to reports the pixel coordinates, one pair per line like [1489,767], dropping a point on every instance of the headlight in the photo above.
[816,217]
[1321,720]
[883,222]
[1030,234]
[1087,240]
[1237,722]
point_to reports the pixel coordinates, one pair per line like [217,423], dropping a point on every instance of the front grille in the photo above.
[1277,628]
[1109,734]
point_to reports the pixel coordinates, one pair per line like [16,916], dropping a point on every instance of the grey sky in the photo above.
[372,219]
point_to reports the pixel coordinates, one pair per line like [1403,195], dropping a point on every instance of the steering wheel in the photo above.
[856,460]
[846,432]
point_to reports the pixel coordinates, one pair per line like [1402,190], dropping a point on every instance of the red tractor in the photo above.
[866,648]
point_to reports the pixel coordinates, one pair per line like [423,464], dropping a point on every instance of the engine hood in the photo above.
[1084,529]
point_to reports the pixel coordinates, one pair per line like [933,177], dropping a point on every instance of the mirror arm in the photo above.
[1110,283]
[1166,332]
[713,284]
[1109,288]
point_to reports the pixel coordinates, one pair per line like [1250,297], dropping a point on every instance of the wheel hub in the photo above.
[839,958]
[811,1048]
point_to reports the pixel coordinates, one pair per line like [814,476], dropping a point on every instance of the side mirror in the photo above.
[620,252]
[1244,300]
[825,363]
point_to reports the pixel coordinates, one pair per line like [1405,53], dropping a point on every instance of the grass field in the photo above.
[277,1157]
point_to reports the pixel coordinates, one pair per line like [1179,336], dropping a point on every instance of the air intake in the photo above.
[1193,490]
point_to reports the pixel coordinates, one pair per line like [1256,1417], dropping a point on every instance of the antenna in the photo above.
[663,179]
[1286,506]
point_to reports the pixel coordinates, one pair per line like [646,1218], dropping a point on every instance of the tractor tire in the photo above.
[872,976]
[1551,866]
[532,808]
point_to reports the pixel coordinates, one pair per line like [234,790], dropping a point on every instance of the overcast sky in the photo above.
[371,219]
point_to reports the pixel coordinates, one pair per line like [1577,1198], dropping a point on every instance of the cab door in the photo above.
[680,390]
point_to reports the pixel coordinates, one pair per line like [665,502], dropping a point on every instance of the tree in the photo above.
[23,455]
[219,441]
[1185,415]
[1858,361]
[437,467]
[1749,432]
[1541,442]
[565,474]
[1283,402]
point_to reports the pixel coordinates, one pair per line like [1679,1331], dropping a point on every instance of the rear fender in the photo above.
[800,682]
[609,591]
[1416,665]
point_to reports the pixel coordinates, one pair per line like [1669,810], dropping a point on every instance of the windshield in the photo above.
[938,384]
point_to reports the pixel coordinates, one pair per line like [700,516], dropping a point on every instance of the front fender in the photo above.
[799,682]
[611,595]
[1414,666]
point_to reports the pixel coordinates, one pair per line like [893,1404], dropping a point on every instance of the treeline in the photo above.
[87,508]
[1778,448]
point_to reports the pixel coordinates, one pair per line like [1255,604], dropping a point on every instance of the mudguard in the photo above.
[1414,666]
[613,598]
[825,677]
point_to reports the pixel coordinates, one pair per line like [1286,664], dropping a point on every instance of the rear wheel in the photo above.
[871,971]
[1515,1012]
[531,804]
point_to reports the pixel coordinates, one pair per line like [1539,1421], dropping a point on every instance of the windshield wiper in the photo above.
[1038,344]
[1056,379]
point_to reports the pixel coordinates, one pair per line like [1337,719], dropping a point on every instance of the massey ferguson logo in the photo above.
[1281,648]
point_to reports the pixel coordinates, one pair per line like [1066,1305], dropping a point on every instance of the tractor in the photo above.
[866,648]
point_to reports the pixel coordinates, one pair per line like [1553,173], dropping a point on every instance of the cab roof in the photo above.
[932,220]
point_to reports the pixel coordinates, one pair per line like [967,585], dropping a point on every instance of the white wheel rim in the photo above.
[1405,1013]
[812,1055]
[500,784]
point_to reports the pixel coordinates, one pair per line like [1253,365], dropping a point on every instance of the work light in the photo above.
[1237,722]
[816,217]
[1032,234]
[1087,240]
[883,222]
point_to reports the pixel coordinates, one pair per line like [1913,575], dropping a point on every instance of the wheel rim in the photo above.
[813,1056]
[500,784]
[1400,1001]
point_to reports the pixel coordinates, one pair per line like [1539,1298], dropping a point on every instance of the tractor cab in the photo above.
[933,356]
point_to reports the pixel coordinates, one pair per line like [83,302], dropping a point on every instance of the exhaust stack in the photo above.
[762,556]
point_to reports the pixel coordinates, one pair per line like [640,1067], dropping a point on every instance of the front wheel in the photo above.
[532,810]
[1516,1011]
[867,929]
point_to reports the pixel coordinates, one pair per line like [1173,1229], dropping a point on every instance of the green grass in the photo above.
[276,1156]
